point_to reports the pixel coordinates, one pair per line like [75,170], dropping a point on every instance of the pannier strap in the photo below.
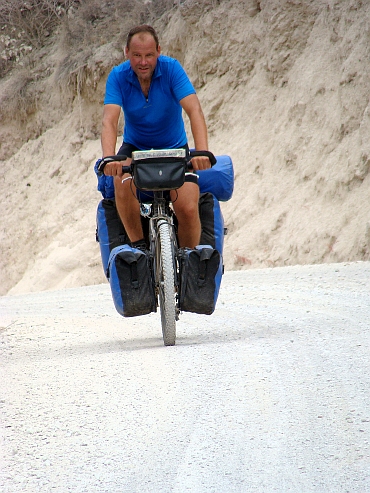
[134,276]
[205,255]
[131,259]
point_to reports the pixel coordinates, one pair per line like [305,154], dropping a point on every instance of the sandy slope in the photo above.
[284,86]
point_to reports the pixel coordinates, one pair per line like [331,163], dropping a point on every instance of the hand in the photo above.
[200,163]
[113,169]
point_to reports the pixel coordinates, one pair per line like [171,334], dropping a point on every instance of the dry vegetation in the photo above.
[86,39]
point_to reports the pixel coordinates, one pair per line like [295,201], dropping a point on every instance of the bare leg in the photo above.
[128,206]
[186,205]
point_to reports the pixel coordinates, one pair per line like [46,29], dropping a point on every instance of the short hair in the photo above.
[143,28]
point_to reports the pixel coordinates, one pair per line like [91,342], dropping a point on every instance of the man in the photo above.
[152,90]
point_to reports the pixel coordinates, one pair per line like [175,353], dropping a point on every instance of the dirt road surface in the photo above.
[269,394]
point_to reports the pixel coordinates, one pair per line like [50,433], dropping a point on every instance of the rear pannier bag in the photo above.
[212,222]
[200,279]
[131,281]
[110,231]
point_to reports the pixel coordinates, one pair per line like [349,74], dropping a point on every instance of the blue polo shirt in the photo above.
[153,122]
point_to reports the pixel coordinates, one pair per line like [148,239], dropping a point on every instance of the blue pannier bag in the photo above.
[201,269]
[212,222]
[105,183]
[200,279]
[131,281]
[218,180]
[110,231]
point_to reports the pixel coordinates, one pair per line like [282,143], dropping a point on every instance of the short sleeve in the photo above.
[181,84]
[113,93]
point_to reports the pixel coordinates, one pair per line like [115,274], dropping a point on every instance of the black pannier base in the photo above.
[200,278]
[131,282]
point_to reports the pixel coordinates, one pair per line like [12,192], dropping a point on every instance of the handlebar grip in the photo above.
[208,154]
[126,169]
[109,159]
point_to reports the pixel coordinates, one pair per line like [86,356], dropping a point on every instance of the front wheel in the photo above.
[166,283]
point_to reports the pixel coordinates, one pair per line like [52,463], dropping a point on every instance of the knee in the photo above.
[188,212]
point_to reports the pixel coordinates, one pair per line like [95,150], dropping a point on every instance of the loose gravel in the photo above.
[269,394]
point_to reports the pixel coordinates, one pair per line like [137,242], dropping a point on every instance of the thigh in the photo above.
[186,197]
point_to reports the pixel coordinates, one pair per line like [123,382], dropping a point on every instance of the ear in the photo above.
[159,49]
[126,52]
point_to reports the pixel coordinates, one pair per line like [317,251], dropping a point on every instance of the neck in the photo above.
[145,86]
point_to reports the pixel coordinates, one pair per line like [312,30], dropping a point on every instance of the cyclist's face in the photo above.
[143,55]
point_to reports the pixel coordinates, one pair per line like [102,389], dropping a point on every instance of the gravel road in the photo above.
[269,394]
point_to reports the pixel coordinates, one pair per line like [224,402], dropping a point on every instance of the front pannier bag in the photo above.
[200,278]
[131,281]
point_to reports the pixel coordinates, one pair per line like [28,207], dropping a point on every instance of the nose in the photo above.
[143,60]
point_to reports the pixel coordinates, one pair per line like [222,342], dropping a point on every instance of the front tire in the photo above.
[166,283]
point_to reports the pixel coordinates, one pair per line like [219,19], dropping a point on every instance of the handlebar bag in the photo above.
[131,281]
[159,174]
[200,279]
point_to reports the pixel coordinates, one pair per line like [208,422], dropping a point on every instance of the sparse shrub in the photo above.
[19,97]
[34,19]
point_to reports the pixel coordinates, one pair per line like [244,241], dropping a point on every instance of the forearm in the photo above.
[199,131]
[108,138]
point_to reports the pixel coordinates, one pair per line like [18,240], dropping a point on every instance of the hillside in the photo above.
[285,88]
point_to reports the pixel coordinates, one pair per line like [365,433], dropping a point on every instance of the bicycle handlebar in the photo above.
[127,169]
[208,154]
[109,159]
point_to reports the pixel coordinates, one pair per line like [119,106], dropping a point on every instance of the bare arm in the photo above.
[111,115]
[192,108]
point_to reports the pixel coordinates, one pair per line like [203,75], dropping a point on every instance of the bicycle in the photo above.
[158,172]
